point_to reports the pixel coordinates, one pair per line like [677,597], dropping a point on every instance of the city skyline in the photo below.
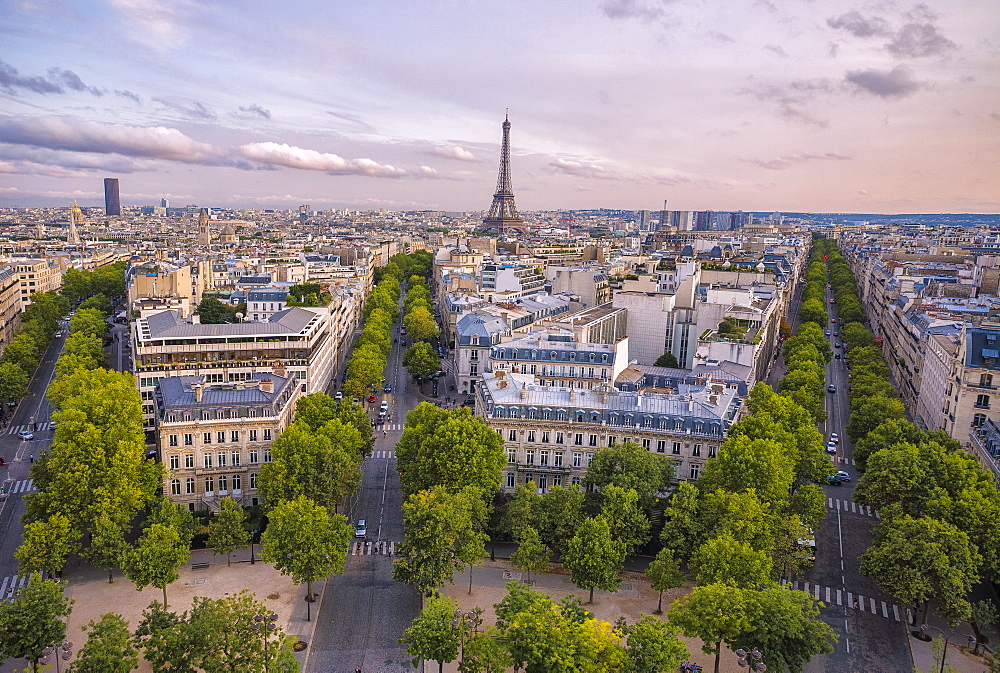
[827,106]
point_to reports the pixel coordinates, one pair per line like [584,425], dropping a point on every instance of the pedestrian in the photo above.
[32,458]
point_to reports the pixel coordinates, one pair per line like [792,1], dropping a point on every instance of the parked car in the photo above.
[833,480]
[361,530]
[836,345]
[25,435]
[338,396]
[371,398]
[826,333]
[836,355]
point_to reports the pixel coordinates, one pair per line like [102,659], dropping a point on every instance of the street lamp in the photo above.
[253,535]
[265,625]
[63,651]
[463,621]
[751,660]
[947,639]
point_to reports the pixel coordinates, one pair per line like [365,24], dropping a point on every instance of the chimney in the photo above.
[638,400]
[279,370]
[240,385]
[502,383]
[195,319]
[266,386]
[198,392]
[524,392]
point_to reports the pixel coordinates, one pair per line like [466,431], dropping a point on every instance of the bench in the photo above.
[199,566]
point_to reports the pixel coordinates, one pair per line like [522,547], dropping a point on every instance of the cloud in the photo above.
[360,123]
[582,170]
[125,93]
[777,49]
[280,154]
[427,172]
[783,162]
[454,152]
[74,135]
[859,26]
[255,110]
[895,83]
[159,17]
[918,40]
[192,109]
[720,37]
[633,9]
[109,163]
[31,168]
[57,81]
[792,98]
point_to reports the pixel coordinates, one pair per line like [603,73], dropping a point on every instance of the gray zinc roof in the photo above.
[178,391]
[170,324]
[482,324]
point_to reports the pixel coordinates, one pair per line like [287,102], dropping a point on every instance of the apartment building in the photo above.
[297,343]
[10,304]
[551,434]
[509,281]
[591,285]
[262,303]
[214,437]
[36,275]
[556,359]
[475,333]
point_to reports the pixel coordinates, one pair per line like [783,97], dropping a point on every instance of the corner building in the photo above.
[551,434]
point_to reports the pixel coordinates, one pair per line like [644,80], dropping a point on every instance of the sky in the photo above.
[801,105]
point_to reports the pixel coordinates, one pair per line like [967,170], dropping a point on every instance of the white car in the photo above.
[361,530]
[835,438]
[25,435]
[831,447]
[385,406]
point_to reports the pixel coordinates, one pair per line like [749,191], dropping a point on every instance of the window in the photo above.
[512,436]
[474,339]
[590,459]
[223,484]
[206,437]
[172,440]
[593,440]
[711,451]
[978,420]
[661,446]
[611,440]
[209,485]
[207,460]
[222,458]
[545,437]
[237,482]
[986,380]
[646,443]
[267,455]
[189,485]
[267,434]
[511,455]
[235,455]
[253,435]
[253,480]
[473,355]
[253,456]
[558,457]
[529,457]
[575,481]
[559,438]
[175,462]
[696,451]
[188,439]
[556,480]
[578,440]
[175,487]
[695,469]
[473,368]
[543,458]
[677,449]
[577,459]
[543,483]
[531,436]
[982,401]
[189,460]
[234,435]
[510,480]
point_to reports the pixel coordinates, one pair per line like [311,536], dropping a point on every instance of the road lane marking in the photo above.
[839,597]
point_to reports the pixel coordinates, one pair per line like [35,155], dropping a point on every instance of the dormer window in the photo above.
[604,358]
[474,340]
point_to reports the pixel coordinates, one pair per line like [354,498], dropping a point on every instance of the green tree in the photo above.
[431,637]
[13,383]
[786,626]
[743,464]
[629,524]
[227,532]
[664,573]
[420,323]
[99,302]
[173,515]
[668,359]
[421,360]
[230,638]
[630,466]
[304,541]
[531,554]
[813,310]
[23,351]
[715,613]
[108,548]
[889,433]
[485,652]
[872,413]
[856,335]
[788,555]
[653,647]
[681,521]
[916,560]
[46,545]
[108,648]
[156,558]
[522,511]
[593,558]
[211,311]
[364,370]
[90,321]
[725,560]
[33,620]
[560,512]
[809,504]
[167,640]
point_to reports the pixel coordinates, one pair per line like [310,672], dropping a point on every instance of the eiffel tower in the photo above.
[503,216]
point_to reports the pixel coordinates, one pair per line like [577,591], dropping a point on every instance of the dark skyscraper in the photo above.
[112,201]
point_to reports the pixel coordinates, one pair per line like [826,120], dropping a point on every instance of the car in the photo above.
[356,400]
[26,435]
[831,388]
[388,388]
[831,447]
[380,420]
[339,396]
[831,301]
[402,330]
[835,438]
[402,342]
[833,480]
[361,530]
[371,398]
[385,406]
[836,355]
[836,334]
[833,320]
[826,333]
[843,476]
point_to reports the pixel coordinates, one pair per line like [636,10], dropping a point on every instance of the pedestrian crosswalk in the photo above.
[383,454]
[30,427]
[851,507]
[843,460]
[372,548]
[10,585]
[389,426]
[23,486]
[848,599]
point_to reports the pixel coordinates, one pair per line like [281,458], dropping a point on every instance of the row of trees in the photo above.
[937,534]
[371,351]
[418,311]
[39,324]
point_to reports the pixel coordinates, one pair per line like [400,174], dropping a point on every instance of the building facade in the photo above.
[36,275]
